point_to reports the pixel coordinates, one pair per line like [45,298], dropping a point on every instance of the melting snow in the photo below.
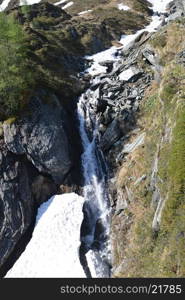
[159,5]
[84,12]
[28,2]
[60,2]
[68,5]
[4,4]
[126,40]
[99,57]
[53,249]
[123,7]
[126,75]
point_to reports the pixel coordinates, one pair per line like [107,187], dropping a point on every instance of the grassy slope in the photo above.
[107,11]
[140,6]
[162,117]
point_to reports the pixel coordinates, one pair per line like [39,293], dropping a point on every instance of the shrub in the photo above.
[16,76]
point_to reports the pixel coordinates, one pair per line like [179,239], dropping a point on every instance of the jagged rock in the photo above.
[42,188]
[150,56]
[128,148]
[108,64]
[140,179]
[16,202]
[102,104]
[143,37]
[121,202]
[181,57]
[43,9]
[176,9]
[111,135]
[158,214]
[133,94]
[43,139]
[132,74]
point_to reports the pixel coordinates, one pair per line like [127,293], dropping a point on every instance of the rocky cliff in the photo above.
[148,220]
[142,129]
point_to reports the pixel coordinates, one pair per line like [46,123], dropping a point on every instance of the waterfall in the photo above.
[62,232]
[96,205]
[95,227]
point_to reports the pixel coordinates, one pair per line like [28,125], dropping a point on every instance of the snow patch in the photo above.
[107,55]
[123,7]
[60,2]
[53,249]
[159,5]
[127,40]
[4,4]
[84,12]
[29,2]
[68,5]
[126,75]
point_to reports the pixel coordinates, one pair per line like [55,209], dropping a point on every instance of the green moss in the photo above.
[85,5]
[43,22]
[120,21]
[141,6]
[10,121]
[1,129]
[176,171]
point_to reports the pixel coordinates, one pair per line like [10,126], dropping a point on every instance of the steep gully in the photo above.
[96,207]
[94,248]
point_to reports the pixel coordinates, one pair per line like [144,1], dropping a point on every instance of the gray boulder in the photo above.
[43,139]
[16,202]
[111,135]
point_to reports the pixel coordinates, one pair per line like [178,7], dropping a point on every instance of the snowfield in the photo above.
[53,249]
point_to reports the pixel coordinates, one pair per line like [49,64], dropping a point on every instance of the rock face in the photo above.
[42,138]
[176,9]
[16,201]
[37,155]
[147,207]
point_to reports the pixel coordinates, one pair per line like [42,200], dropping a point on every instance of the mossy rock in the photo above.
[10,121]
[1,129]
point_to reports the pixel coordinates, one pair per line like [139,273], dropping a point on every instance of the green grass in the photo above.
[120,21]
[162,254]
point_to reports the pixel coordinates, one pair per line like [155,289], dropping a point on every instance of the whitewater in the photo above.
[53,250]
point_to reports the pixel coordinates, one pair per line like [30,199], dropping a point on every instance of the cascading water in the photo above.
[96,207]
[95,227]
